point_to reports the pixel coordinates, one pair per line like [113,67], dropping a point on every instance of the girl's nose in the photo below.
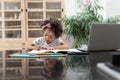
[47,37]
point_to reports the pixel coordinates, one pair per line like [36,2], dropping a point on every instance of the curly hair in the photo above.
[56,27]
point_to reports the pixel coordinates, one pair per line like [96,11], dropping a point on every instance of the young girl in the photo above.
[52,30]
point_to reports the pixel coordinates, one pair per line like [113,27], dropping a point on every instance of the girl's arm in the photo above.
[62,45]
[33,47]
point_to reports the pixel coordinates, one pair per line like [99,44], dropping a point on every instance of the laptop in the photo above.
[103,37]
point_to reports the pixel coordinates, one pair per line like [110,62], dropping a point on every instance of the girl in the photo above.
[52,30]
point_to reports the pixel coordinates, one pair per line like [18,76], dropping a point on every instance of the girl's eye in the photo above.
[46,35]
[51,37]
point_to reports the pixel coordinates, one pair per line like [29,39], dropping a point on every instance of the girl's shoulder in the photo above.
[57,41]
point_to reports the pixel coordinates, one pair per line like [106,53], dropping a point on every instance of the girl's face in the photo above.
[48,35]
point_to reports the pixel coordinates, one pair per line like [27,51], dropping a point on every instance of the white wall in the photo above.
[70,7]
[112,7]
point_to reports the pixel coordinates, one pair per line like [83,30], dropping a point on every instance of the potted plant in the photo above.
[78,26]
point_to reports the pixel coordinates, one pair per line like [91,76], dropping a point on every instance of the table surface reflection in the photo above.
[73,67]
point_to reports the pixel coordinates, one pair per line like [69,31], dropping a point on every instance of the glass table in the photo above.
[72,67]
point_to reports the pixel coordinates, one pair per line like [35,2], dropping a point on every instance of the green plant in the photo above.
[78,26]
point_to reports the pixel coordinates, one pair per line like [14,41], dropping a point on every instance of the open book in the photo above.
[48,53]
[63,51]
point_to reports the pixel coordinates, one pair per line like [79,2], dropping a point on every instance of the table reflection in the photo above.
[72,67]
[53,69]
[77,67]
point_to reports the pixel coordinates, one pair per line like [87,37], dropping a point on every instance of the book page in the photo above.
[53,51]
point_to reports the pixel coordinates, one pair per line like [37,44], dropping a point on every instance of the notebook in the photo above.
[103,37]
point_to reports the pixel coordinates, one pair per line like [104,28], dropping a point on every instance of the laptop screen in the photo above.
[104,37]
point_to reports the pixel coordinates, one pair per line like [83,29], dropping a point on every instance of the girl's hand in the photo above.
[36,47]
[51,48]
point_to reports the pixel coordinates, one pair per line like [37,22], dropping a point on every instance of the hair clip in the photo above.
[47,25]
